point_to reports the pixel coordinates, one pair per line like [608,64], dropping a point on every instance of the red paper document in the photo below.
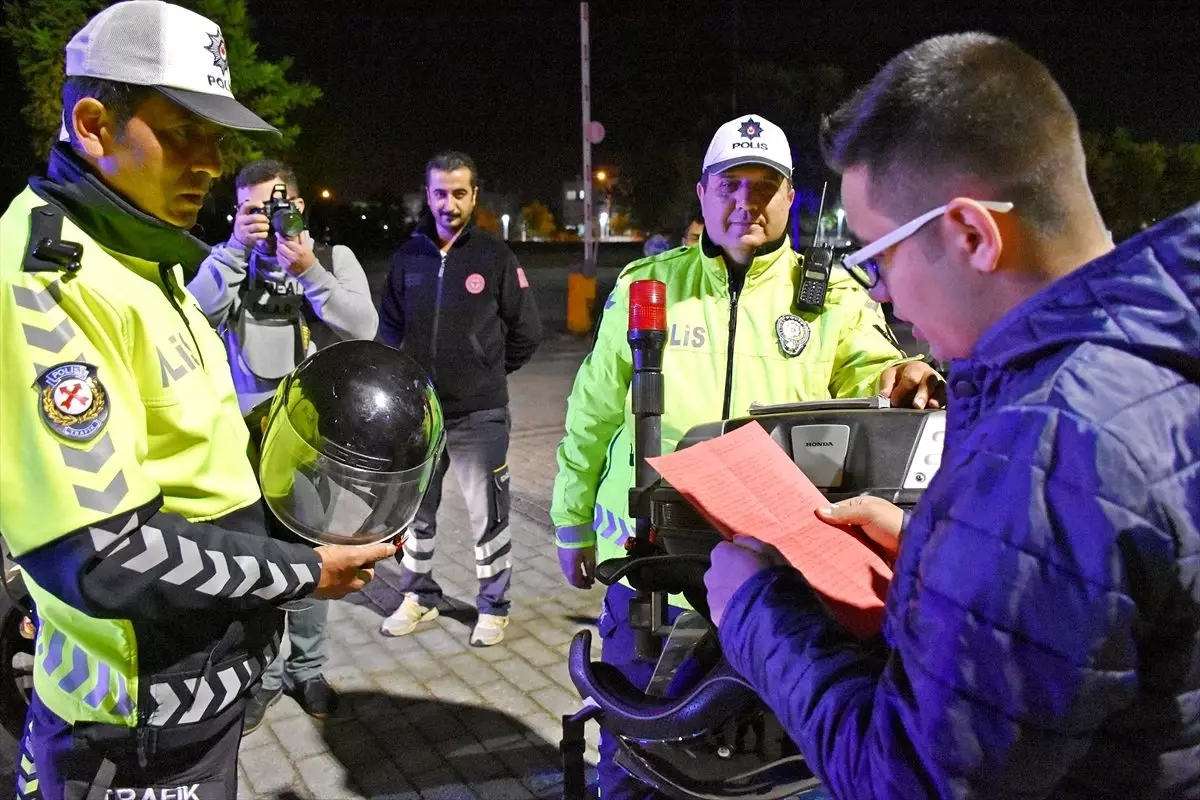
[746,484]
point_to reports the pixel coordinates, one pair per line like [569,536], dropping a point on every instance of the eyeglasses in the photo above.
[863,265]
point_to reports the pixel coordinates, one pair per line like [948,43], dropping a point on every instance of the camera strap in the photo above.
[272,334]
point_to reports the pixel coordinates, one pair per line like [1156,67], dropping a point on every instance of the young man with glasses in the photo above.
[1043,623]
[735,337]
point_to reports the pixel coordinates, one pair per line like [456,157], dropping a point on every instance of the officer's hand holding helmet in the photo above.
[349,447]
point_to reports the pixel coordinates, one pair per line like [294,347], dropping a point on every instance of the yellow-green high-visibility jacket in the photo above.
[126,494]
[842,351]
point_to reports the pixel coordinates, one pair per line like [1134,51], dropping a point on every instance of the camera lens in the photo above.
[288,222]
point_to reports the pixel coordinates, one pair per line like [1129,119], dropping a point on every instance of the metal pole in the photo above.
[585,56]
[737,55]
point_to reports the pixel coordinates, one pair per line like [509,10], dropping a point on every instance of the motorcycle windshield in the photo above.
[687,632]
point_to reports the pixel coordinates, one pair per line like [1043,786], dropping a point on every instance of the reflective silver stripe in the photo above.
[154,554]
[251,570]
[420,566]
[414,545]
[492,570]
[217,582]
[190,563]
[231,680]
[277,586]
[41,301]
[107,499]
[102,538]
[200,702]
[209,694]
[576,534]
[304,573]
[52,340]
[483,551]
[92,460]
[166,703]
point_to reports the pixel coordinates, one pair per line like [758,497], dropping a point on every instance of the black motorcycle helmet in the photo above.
[350,444]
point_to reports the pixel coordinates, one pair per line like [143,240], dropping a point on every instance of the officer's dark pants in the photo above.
[618,647]
[109,762]
[477,449]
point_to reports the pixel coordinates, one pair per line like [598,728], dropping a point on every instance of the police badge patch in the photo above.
[72,400]
[793,334]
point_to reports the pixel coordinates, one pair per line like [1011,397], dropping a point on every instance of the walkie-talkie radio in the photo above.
[818,264]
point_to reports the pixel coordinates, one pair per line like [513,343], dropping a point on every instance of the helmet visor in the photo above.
[328,502]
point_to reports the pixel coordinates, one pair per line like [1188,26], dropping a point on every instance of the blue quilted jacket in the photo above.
[1042,626]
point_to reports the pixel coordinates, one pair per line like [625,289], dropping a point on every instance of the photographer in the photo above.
[273,296]
[274,301]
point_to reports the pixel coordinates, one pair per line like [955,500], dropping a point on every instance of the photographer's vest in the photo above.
[273,332]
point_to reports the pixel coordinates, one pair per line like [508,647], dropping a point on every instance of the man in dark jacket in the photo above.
[1042,624]
[458,302]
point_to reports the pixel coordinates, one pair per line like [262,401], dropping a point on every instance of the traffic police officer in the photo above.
[735,337]
[126,494]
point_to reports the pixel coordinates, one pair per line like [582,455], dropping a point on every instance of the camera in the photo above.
[285,219]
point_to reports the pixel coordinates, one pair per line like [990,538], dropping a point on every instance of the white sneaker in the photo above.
[405,619]
[489,630]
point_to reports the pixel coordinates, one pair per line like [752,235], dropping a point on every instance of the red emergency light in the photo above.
[647,306]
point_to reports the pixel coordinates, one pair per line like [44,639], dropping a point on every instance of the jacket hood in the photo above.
[1143,297]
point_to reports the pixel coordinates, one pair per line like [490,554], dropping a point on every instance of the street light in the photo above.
[504,222]
[601,175]
[326,194]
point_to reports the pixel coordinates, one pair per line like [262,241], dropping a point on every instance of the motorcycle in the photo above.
[713,738]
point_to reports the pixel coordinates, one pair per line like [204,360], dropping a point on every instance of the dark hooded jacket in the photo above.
[1043,623]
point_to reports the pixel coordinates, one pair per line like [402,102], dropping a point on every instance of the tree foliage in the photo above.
[539,222]
[40,29]
[487,218]
[1138,183]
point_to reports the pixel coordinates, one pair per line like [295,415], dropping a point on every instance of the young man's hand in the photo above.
[295,255]
[734,563]
[250,226]
[877,518]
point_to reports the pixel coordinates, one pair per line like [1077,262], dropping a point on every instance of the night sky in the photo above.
[403,79]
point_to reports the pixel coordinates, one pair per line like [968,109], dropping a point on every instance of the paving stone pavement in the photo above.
[426,715]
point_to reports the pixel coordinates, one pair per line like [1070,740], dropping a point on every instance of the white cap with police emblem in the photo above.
[749,139]
[174,50]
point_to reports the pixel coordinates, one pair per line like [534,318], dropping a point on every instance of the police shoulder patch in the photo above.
[793,334]
[72,401]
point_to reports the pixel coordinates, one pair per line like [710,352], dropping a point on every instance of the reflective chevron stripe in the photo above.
[81,676]
[575,536]
[178,560]
[184,699]
[47,345]
[27,779]
[611,525]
